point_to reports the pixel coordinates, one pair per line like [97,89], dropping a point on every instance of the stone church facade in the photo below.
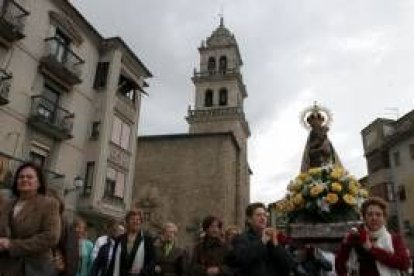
[185,177]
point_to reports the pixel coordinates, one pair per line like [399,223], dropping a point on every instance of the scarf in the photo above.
[138,262]
[384,241]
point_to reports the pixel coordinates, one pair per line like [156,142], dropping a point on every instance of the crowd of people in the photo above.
[36,239]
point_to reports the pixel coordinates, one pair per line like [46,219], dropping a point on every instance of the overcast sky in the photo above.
[354,57]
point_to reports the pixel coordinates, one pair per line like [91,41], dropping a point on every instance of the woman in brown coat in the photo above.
[29,226]
[209,254]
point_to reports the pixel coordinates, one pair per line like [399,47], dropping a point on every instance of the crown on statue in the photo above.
[316,115]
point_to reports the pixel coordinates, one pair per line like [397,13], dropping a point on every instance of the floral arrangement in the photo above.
[323,194]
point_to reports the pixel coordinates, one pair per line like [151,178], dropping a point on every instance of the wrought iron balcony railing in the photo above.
[12,20]
[4,86]
[62,61]
[51,118]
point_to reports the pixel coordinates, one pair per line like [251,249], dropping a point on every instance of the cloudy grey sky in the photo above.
[355,57]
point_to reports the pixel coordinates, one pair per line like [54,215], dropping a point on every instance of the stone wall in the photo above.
[183,178]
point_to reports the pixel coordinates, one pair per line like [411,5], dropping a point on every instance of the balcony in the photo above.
[4,87]
[61,62]
[50,119]
[12,19]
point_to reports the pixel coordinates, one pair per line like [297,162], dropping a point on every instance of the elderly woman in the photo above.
[29,226]
[371,250]
[209,254]
[171,260]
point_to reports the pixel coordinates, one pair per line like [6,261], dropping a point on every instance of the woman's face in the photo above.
[27,181]
[214,230]
[374,217]
[80,230]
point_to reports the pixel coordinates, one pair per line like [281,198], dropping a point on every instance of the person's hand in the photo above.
[365,239]
[157,269]
[352,236]
[5,243]
[59,261]
[267,235]
[213,270]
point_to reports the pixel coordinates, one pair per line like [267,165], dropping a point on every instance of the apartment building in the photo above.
[69,101]
[389,151]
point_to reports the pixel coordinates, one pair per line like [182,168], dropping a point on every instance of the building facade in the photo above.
[184,177]
[389,151]
[70,101]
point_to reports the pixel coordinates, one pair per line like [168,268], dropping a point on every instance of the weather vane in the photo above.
[221,14]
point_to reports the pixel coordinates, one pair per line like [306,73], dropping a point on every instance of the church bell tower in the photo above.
[218,108]
[219,88]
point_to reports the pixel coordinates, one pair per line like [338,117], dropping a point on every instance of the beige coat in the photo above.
[33,232]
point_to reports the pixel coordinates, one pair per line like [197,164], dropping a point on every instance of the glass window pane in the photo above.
[116,130]
[120,184]
[126,131]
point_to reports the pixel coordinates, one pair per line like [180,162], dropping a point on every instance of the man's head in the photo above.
[169,232]
[256,216]
[133,220]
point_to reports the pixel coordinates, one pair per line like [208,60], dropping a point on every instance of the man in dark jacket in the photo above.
[257,252]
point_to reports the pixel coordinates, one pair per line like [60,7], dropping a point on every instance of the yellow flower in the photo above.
[298,199]
[337,172]
[294,186]
[336,187]
[332,198]
[349,199]
[353,188]
[303,176]
[314,171]
[316,190]
[363,193]
[290,206]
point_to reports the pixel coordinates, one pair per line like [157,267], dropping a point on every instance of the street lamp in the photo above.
[77,184]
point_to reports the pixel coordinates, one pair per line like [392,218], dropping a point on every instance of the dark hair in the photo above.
[40,178]
[209,220]
[377,201]
[134,212]
[252,207]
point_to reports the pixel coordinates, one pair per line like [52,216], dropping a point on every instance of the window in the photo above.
[211,66]
[402,193]
[121,133]
[38,154]
[208,100]
[101,75]
[49,104]
[411,151]
[223,96]
[95,130]
[223,64]
[90,168]
[115,183]
[37,159]
[390,192]
[127,88]
[396,157]
[62,47]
